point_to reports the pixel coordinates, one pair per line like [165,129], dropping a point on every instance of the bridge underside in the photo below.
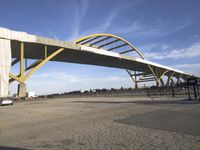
[85,51]
[139,72]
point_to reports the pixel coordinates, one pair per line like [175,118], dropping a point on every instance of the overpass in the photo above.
[96,49]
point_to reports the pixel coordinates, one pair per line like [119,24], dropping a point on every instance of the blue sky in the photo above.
[166,32]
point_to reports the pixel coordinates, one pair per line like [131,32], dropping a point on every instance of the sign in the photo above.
[192,81]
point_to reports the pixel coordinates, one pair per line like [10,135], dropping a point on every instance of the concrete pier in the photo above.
[21,90]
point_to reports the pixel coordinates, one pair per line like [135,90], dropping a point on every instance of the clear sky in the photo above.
[165,31]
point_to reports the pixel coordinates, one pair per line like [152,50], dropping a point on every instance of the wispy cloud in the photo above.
[137,28]
[80,10]
[189,52]
[105,26]
[193,68]
[134,27]
[140,29]
[149,48]
[102,28]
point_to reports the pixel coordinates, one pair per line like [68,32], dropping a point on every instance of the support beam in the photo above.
[45,52]
[158,74]
[42,63]
[20,77]
[116,47]
[15,61]
[17,78]
[21,85]
[136,82]
[90,40]
[178,79]
[154,74]
[34,64]
[163,73]
[22,61]
[134,78]
[162,82]
[82,39]
[142,79]
[158,83]
[172,81]
[21,90]
[150,80]
[169,78]
[127,51]
[114,41]
[96,42]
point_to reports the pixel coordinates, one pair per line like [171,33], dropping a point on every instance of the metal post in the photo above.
[173,91]
[22,60]
[45,52]
[189,93]
[158,83]
[136,84]
[195,92]
[148,92]
[198,91]
[26,63]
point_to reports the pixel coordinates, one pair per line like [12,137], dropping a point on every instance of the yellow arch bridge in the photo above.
[96,49]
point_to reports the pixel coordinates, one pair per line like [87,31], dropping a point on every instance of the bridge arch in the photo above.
[102,41]
[112,42]
[108,42]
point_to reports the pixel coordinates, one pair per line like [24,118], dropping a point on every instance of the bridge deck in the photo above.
[34,49]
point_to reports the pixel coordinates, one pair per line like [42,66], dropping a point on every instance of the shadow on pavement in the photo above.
[178,121]
[144,102]
[10,148]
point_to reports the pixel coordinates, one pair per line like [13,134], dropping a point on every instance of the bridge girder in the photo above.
[24,71]
[101,41]
[106,42]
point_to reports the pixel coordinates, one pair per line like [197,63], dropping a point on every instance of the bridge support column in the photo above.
[179,79]
[133,77]
[158,73]
[136,85]
[158,83]
[170,80]
[21,90]
[24,69]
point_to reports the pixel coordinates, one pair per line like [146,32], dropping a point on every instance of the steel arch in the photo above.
[96,40]
[93,39]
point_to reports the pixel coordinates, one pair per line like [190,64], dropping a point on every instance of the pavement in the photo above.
[116,123]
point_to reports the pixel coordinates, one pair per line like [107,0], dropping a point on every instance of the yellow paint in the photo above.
[21,60]
[14,77]
[45,52]
[153,72]
[171,76]
[163,74]
[109,35]
[34,64]
[43,62]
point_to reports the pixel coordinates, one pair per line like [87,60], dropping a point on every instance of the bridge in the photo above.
[96,49]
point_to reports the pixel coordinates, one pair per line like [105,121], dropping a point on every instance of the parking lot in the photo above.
[101,123]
